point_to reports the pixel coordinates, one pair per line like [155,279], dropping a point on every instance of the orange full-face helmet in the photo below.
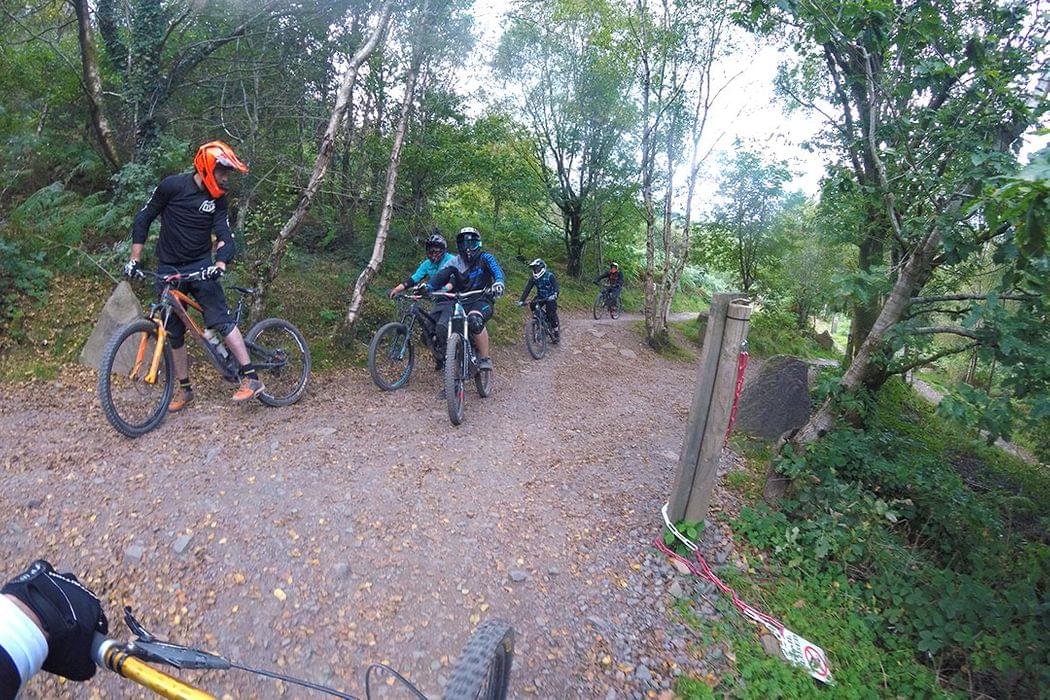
[210,155]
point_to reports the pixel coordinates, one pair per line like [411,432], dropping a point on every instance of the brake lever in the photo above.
[149,648]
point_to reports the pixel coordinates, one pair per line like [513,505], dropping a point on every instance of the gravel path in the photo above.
[359,526]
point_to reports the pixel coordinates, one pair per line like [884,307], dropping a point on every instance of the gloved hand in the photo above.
[424,291]
[213,272]
[521,303]
[131,270]
[552,297]
[69,613]
[497,289]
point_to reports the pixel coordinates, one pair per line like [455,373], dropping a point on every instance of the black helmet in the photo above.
[436,240]
[468,243]
[538,268]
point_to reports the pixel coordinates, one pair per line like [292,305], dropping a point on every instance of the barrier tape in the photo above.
[795,649]
[741,365]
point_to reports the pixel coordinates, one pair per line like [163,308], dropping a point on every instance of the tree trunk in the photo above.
[353,312]
[865,366]
[93,85]
[574,241]
[269,270]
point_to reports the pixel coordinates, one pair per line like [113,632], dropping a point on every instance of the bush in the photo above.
[22,275]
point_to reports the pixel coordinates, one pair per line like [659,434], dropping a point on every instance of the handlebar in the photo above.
[173,277]
[118,658]
[459,295]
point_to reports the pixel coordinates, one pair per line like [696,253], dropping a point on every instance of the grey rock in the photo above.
[121,307]
[777,400]
[630,354]
[340,570]
[181,542]
[212,454]
[553,571]
[517,575]
[676,590]
[643,673]
[435,665]
[610,694]
[770,645]
[323,432]
[134,553]
[34,502]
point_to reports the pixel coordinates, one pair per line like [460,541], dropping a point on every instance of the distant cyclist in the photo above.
[615,282]
[546,284]
[437,257]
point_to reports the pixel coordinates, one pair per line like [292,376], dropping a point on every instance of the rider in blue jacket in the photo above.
[546,285]
[470,271]
[437,258]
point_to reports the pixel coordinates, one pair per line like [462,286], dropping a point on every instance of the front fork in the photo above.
[158,350]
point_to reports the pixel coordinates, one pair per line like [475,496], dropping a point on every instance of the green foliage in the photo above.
[773,331]
[690,529]
[22,276]
[960,586]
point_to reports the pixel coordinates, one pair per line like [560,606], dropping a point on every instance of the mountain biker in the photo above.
[47,620]
[615,278]
[470,271]
[546,285]
[437,257]
[191,206]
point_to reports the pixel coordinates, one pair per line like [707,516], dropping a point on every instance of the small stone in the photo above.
[181,542]
[34,502]
[610,694]
[770,645]
[680,567]
[517,575]
[721,556]
[134,553]
[643,673]
[676,590]
[340,570]
[322,432]
[435,665]
[553,571]
[630,354]
[212,454]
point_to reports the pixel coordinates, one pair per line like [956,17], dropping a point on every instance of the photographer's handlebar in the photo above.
[119,658]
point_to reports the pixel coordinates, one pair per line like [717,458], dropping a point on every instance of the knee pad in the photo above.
[225,329]
[475,322]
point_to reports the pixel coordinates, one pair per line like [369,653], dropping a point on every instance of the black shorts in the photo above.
[208,293]
[482,307]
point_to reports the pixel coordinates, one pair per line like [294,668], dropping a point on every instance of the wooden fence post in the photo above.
[697,472]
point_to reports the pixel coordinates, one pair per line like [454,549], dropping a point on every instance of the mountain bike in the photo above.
[391,355]
[136,377]
[538,330]
[606,300]
[461,357]
[482,671]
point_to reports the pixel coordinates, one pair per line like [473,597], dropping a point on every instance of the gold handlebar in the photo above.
[112,655]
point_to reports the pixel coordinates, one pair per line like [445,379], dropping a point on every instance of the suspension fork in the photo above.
[158,350]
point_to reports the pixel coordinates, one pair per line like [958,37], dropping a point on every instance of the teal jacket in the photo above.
[428,269]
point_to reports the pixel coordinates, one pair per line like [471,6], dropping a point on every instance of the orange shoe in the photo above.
[250,388]
[180,400]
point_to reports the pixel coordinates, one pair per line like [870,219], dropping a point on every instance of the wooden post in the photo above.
[727,323]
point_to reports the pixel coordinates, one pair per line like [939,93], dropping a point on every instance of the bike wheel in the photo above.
[536,339]
[483,668]
[391,356]
[131,405]
[598,304]
[282,358]
[455,396]
[614,309]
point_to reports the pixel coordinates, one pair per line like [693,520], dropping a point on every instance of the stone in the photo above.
[629,354]
[770,645]
[777,400]
[121,307]
[643,673]
[181,542]
[517,575]
[676,590]
[324,432]
[134,553]
[825,340]
[340,570]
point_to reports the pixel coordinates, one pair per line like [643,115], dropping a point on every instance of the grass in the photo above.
[999,506]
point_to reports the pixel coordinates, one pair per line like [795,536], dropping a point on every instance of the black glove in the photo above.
[131,269]
[212,272]
[69,613]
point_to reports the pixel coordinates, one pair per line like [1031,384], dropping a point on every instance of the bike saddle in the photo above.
[250,291]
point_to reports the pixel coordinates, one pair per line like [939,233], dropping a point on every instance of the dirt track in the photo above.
[359,526]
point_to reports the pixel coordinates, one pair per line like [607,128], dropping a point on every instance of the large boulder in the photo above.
[777,400]
[825,340]
[121,307]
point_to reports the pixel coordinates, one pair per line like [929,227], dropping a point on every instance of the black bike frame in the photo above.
[539,312]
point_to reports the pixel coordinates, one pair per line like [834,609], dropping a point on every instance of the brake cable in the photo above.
[147,647]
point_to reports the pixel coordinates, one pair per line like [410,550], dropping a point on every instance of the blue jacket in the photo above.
[428,269]
[466,277]
[546,286]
